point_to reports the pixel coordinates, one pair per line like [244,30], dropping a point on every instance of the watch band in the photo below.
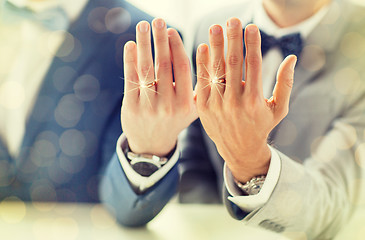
[146,164]
[253,186]
[148,158]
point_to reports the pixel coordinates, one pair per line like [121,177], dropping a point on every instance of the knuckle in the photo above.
[254,59]
[149,112]
[289,82]
[201,72]
[249,105]
[129,59]
[234,35]
[253,42]
[202,106]
[184,65]
[216,43]
[232,101]
[166,110]
[144,43]
[217,64]
[185,109]
[234,60]
[164,64]
[160,39]
[145,69]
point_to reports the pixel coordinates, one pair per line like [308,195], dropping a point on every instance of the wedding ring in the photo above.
[150,84]
[221,80]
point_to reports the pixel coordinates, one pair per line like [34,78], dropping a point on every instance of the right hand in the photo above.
[153,116]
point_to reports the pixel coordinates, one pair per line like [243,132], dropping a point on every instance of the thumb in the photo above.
[284,84]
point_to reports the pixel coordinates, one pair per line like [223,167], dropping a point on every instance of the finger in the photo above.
[203,83]
[182,71]
[253,61]
[217,72]
[144,53]
[145,63]
[162,59]
[234,60]
[131,82]
[284,84]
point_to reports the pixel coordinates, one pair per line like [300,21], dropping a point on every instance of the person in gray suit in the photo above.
[309,178]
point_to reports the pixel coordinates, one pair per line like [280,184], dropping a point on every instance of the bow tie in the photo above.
[288,44]
[52,19]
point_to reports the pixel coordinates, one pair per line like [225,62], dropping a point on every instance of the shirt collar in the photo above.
[264,22]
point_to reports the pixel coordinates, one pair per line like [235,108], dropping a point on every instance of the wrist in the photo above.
[154,148]
[251,165]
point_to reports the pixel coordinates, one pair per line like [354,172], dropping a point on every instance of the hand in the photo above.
[233,112]
[155,109]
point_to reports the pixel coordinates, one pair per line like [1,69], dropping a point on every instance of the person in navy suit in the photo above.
[61,88]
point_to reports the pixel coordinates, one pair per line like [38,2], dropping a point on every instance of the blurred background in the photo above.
[49,220]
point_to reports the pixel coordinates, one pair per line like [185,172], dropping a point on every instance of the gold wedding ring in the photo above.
[150,84]
[221,80]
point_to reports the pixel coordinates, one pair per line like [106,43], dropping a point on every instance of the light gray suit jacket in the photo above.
[321,141]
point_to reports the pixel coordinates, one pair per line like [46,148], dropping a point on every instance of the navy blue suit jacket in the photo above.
[72,130]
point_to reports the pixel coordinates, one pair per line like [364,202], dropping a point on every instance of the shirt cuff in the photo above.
[138,181]
[251,202]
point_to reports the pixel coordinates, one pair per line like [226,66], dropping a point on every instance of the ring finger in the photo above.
[145,63]
[217,70]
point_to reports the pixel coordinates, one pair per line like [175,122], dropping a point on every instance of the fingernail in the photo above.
[129,45]
[159,23]
[215,30]
[252,29]
[233,22]
[170,32]
[143,27]
[202,48]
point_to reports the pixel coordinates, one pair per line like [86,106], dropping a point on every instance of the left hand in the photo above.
[234,113]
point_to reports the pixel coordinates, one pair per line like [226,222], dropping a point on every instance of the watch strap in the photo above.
[253,186]
[146,164]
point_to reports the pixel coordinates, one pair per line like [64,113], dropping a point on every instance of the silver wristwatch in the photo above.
[145,164]
[253,186]
[147,158]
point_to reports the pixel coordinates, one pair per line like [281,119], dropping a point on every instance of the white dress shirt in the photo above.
[27,50]
[271,62]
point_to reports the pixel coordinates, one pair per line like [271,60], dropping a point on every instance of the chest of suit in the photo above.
[72,130]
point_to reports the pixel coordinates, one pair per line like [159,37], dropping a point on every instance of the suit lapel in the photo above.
[317,52]
[318,47]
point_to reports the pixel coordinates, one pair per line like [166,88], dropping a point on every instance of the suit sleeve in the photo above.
[130,208]
[315,198]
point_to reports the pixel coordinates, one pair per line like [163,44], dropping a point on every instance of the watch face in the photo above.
[145,169]
[254,190]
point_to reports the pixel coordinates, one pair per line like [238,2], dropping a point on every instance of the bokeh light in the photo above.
[117,20]
[14,206]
